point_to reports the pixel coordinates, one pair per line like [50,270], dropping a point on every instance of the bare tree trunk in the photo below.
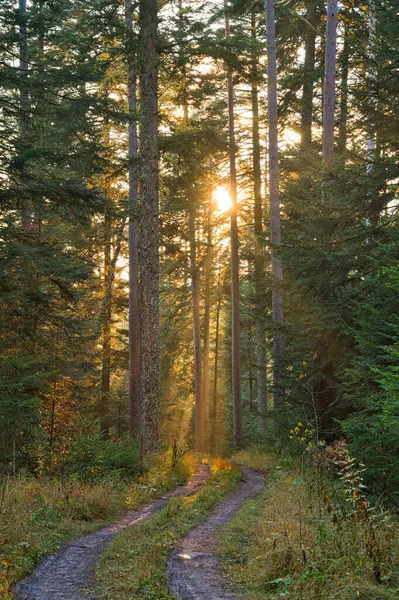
[149,255]
[106,334]
[207,322]
[343,117]
[235,289]
[134,290]
[329,85]
[371,139]
[195,283]
[26,219]
[309,75]
[216,366]
[52,415]
[275,223]
[199,406]
[250,371]
[259,261]
[374,207]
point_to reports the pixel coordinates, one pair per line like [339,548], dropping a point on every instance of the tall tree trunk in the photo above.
[275,224]
[329,85]
[207,321]
[195,281]
[199,406]
[235,289]
[26,219]
[106,335]
[324,391]
[215,371]
[134,290]
[343,117]
[52,414]
[374,206]
[259,262]
[371,141]
[308,75]
[149,255]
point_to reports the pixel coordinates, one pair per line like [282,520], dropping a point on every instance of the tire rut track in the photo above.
[67,574]
[193,571]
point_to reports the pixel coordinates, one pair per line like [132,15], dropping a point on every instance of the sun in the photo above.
[222,198]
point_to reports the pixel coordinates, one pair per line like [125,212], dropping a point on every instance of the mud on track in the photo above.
[67,574]
[193,571]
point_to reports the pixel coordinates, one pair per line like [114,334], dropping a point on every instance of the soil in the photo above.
[193,571]
[68,574]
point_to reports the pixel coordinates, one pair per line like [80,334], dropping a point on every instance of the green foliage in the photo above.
[298,539]
[372,382]
[91,457]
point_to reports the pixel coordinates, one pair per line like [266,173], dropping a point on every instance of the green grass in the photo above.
[286,544]
[37,515]
[134,565]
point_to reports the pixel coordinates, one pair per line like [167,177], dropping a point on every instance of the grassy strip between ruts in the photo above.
[283,545]
[37,515]
[134,565]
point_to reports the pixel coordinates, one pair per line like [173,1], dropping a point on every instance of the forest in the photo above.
[199,291]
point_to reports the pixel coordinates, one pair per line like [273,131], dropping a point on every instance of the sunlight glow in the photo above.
[290,137]
[222,199]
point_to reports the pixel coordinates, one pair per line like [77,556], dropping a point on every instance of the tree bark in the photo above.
[343,116]
[275,222]
[329,85]
[207,322]
[259,262]
[235,289]
[374,205]
[106,335]
[149,255]
[308,75]
[199,405]
[134,289]
[26,219]
[371,138]
[216,366]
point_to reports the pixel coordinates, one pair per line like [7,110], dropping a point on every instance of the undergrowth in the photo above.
[311,536]
[134,565]
[37,514]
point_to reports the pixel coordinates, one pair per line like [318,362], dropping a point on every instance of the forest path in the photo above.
[67,575]
[193,571]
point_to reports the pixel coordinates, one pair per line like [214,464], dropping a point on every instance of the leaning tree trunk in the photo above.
[259,262]
[308,75]
[235,289]
[134,291]
[26,219]
[149,255]
[275,224]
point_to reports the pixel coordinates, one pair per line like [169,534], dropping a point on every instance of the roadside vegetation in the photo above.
[134,564]
[312,533]
[38,513]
